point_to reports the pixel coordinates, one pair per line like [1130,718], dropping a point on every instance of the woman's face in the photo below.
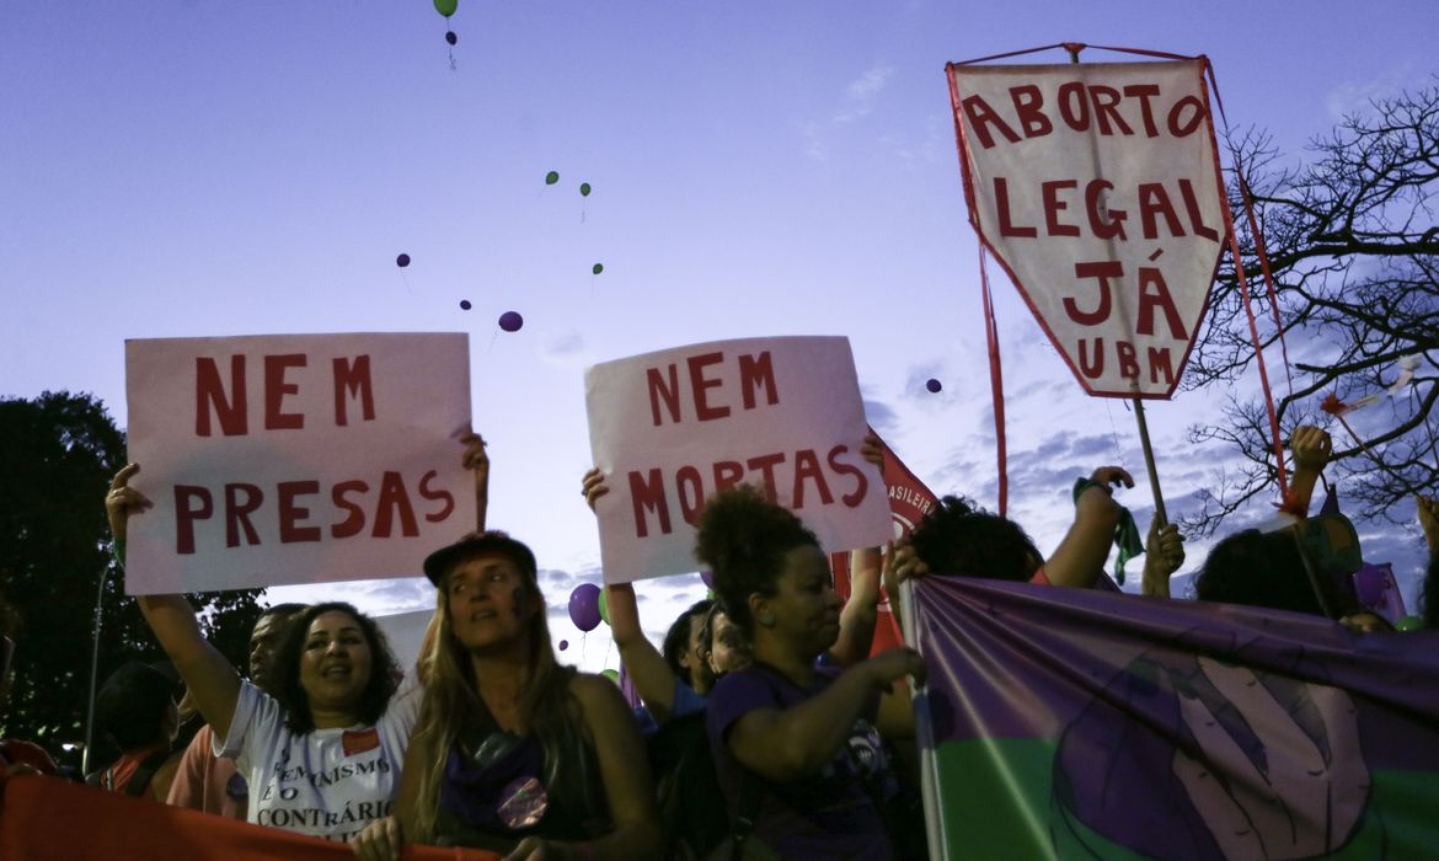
[488,601]
[805,606]
[335,663]
[727,649]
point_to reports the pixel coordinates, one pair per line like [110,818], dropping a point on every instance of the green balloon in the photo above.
[598,268]
[446,7]
[552,177]
[584,189]
[612,675]
[604,607]
[1410,623]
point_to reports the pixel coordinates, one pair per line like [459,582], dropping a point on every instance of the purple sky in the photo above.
[207,168]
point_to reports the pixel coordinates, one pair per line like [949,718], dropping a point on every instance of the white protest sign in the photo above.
[672,428]
[295,458]
[1098,188]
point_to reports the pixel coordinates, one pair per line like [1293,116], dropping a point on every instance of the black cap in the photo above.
[437,563]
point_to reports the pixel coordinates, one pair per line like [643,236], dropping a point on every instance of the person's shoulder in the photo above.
[588,687]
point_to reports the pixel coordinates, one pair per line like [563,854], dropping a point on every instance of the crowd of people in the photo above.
[490,742]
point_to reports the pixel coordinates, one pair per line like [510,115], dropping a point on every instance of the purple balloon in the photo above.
[511,321]
[564,644]
[585,606]
[709,578]
[933,385]
[402,261]
[465,305]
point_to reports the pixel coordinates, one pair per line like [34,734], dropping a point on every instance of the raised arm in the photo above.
[1080,557]
[1311,447]
[783,745]
[1163,555]
[211,680]
[861,611]
[644,664]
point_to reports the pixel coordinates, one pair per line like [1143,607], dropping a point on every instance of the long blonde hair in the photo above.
[547,709]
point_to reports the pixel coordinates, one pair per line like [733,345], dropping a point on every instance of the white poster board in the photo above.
[283,459]
[671,428]
[1097,187]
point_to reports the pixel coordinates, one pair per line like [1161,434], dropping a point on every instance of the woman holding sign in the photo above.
[323,754]
[794,743]
[514,752]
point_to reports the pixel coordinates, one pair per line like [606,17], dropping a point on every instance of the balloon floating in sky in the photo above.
[465,305]
[446,7]
[511,321]
[585,606]
[451,37]
[604,605]
[612,675]
[598,268]
[552,177]
[564,644]
[584,189]
[933,385]
[402,261]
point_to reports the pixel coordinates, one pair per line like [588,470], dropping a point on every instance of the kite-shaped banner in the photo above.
[1098,188]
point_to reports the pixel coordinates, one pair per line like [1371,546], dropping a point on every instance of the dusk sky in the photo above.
[204,168]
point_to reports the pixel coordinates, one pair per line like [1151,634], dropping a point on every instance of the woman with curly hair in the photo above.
[322,752]
[513,752]
[794,743]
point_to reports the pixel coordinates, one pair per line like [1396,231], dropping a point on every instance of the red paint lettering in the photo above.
[1128,360]
[436,495]
[1091,366]
[1181,126]
[1074,106]
[691,492]
[291,512]
[1144,92]
[669,394]
[210,392]
[728,473]
[766,464]
[1191,208]
[981,117]
[191,504]
[352,379]
[755,371]
[649,495]
[1154,200]
[354,522]
[1154,294]
[1160,360]
[394,500]
[1101,271]
[1104,222]
[1001,203]
[861,484]
[237,513]
[699,383]
[1028,101]
[1106,110]
[1049,191]
[807,468]
[276,388]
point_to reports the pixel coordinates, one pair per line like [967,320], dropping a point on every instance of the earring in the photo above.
[766,619]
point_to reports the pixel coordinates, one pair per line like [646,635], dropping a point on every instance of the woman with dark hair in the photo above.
[514,752]
[794,744]
[322,755]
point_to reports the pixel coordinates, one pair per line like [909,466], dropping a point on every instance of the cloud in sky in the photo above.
[858,102]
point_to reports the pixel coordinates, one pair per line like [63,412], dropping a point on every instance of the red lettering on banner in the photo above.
[1053,205]
[210,392]
[1105,223]
[1157,298]
[1091,366]
[237,513]
[766,464]
[1191,208]
[1001,204]
[394,501]
[1073,106]
[1178,125]
[693,501]
[1143,93]
[1101,271]
[292,513]
[855,497]
[354,522]
[436,495]
[1154,200]
[276,388]
[1028,101]
[185,515]
[1160,360]
[981,116]
[807,468]
[728,473]
[352,378]
[754,371]
[699,383]
[670,394]
[648,494]
[1128,360]
[1106,110]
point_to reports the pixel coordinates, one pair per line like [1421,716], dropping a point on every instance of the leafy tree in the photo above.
[60,451]
[1353,247]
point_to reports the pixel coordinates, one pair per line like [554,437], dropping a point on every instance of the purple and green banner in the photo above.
[1065,723]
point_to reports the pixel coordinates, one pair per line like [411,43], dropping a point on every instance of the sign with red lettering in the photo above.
[1097,187]
[670,429]
[282,459]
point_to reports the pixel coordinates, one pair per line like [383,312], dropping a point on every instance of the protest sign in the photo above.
[1098,188]
[672,428]
[295,458]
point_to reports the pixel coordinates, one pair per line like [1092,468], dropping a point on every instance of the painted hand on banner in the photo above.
[123,501]
[1296,790]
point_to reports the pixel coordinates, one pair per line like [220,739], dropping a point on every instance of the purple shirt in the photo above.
[825,815]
